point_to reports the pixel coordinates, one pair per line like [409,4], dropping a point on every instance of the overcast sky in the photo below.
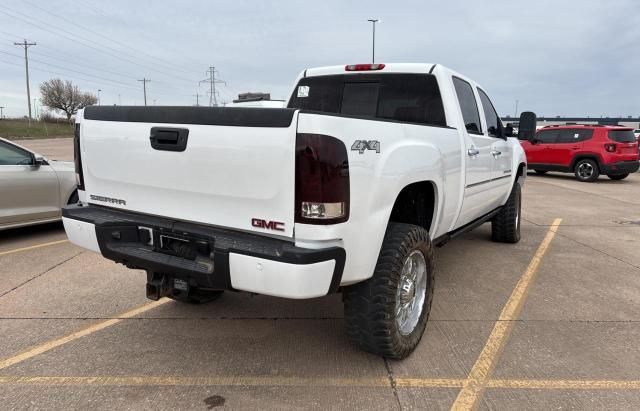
[563,57]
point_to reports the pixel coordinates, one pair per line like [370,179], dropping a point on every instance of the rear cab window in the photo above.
[622,136]
[409,98]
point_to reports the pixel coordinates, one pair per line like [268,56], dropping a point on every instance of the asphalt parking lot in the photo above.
[551,322]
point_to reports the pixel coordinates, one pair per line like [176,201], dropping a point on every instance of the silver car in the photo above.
[33,189]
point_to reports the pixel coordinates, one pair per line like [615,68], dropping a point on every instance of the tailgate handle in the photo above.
[169,139]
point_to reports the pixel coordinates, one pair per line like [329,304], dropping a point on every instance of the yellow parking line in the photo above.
[482,369]
[231,381]
[42,348]
[185,381]
[33,247]
[566,384]
[273,381]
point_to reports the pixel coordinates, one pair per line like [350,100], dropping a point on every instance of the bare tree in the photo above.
[64,96]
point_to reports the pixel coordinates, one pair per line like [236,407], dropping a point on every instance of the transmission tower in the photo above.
[212,80]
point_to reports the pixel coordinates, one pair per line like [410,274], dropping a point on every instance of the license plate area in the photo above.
[181,245]
[177,246]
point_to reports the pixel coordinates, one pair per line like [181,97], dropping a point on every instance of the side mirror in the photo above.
[38,161]
[508,130]
[527,126]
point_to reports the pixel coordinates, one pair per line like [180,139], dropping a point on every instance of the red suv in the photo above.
[585,150]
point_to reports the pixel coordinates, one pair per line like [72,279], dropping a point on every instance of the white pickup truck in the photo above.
[348,189]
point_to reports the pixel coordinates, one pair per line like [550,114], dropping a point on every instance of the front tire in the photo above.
[586,170]
[387,314]
[618,176]
[505,226]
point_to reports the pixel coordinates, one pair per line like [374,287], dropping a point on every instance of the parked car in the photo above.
[585,150]
[348,189]
[33,189]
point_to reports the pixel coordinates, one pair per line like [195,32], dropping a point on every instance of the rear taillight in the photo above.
[611,148]
[76,156]
[322,180]
[363,67]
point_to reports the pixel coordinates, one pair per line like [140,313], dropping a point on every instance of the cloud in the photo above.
[557,57]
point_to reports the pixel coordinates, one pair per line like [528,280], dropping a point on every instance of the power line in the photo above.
[93,7]
[114,82]
[26,46]
[62,74]
[144,85]
[138,52]
[69,69]
[84,43]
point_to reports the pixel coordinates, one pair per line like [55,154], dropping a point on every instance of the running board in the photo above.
[443,239]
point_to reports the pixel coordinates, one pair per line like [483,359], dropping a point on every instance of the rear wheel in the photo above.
[505,226]
[586,170]
[387,314]
[541,172]
[618,176]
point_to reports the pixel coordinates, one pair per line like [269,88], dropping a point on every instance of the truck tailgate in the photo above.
[236,170]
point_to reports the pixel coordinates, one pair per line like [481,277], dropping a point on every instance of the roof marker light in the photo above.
[363,67]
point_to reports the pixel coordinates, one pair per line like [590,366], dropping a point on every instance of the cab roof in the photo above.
[562,126]
[418,68]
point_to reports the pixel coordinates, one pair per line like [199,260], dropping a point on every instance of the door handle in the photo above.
[496,153]
[472,152]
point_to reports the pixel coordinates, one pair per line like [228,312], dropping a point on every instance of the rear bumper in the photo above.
[621,167]
[207,257]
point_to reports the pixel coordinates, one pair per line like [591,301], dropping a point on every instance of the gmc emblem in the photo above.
[269,225]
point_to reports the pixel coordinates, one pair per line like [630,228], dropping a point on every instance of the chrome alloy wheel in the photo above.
[585,170]
[411,292]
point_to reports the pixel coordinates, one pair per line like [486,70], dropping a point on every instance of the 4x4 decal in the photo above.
[362,145]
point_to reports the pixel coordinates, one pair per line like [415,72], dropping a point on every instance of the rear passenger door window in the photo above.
[491,116]
[468,106]
[569,136]
[548,136]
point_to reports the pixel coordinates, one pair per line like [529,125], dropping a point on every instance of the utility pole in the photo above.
[517,101]
[26,45]
[197,96]
[144,86]
[213,100]
[119,100]
[373,51]
[1,115]
[99,96]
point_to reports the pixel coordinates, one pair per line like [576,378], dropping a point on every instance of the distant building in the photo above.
[256,100]
[244,97]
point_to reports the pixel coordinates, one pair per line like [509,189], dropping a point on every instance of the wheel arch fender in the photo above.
[587,156]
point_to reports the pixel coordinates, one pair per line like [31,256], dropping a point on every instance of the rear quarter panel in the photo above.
[408,154]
